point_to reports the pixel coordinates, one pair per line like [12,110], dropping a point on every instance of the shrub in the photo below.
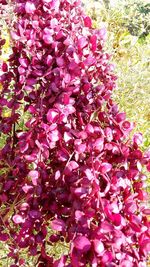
[71,174]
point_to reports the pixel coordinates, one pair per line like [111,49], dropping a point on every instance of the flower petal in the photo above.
[82,243]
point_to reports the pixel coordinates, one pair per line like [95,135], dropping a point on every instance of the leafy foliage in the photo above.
[73,168]
[138,13]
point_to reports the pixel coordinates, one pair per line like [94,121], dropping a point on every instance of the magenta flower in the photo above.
[30,7]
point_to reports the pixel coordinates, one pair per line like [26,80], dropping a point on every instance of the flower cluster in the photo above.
[71,167]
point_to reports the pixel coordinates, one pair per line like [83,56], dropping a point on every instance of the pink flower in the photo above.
[18,219]
[30,7]
[34,175]
[82,243]
[98,246]
[87,22]
[58,225]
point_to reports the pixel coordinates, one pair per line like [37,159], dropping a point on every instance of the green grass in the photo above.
[133,90]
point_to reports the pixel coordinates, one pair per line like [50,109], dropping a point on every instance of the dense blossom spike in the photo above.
[67,162]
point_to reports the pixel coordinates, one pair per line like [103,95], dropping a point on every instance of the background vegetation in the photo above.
[128,28]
